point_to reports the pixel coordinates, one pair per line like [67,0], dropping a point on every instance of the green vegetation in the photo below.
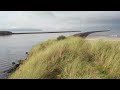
[61,37]
[71,58]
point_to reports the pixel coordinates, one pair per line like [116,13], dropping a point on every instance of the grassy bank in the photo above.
[71,58]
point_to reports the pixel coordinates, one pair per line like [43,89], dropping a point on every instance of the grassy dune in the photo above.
[71,58]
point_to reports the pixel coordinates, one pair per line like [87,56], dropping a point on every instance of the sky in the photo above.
[58,19]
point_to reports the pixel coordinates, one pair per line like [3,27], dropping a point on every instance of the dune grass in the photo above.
[71,58]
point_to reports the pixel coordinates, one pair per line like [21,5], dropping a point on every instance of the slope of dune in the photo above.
[71,58]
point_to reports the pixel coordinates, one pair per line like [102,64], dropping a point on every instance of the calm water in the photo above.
[13,48]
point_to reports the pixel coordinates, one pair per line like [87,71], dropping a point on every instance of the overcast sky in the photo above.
[57,19]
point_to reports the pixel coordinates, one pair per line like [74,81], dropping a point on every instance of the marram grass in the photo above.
[71,58]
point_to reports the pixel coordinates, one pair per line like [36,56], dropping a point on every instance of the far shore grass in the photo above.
[72,58]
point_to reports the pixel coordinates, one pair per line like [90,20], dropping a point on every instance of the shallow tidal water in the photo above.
[14,48]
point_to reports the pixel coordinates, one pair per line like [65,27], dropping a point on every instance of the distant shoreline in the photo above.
[6,33]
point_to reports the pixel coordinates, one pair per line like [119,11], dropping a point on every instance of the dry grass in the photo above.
[71,58]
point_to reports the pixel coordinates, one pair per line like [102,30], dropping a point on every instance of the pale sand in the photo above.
[103,38]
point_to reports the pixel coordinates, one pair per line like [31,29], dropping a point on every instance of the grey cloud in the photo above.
[57,19]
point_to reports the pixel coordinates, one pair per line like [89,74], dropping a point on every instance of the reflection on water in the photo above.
[13,48]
